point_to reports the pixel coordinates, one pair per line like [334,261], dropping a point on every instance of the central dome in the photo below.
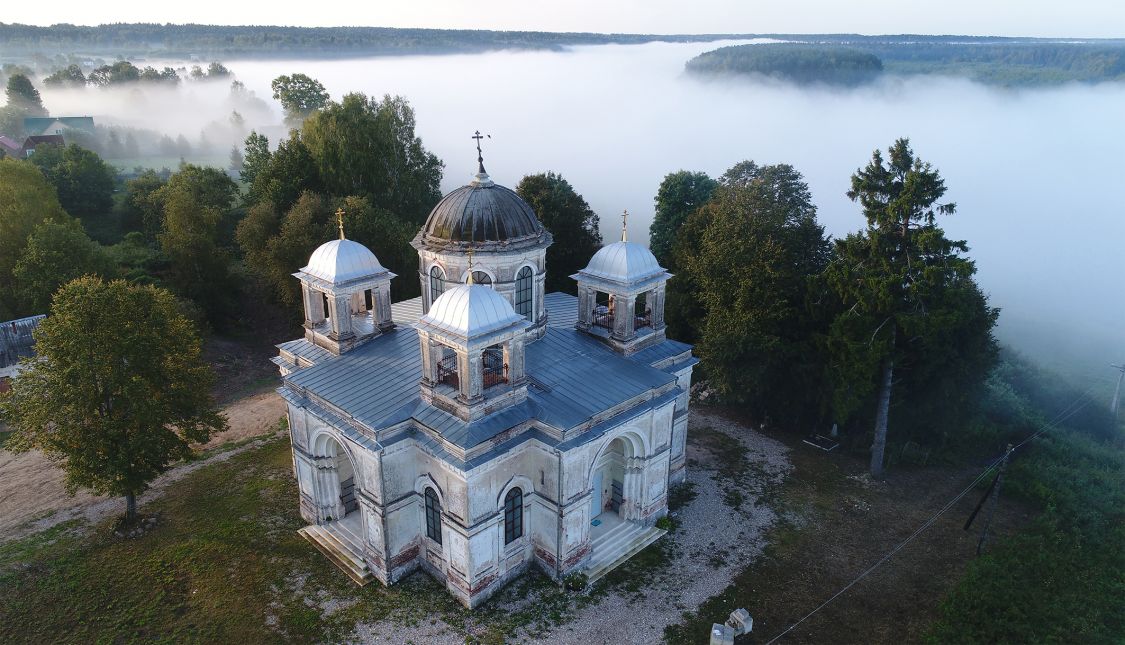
[481,213]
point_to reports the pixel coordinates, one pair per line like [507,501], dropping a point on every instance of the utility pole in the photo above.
[1115,407]
[995,500]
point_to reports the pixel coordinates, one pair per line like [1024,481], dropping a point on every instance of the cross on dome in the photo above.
[624,225]
[480,157]
[340,221]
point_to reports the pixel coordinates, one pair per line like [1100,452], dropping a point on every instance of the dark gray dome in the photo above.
[481,213]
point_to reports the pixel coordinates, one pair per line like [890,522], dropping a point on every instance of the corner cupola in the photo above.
[507,238]
[472,344]
[346,294]
[621,296]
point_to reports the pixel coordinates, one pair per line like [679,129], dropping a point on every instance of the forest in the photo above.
[169,40]
[853,62]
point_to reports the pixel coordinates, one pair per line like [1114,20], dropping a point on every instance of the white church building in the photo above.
[486,426]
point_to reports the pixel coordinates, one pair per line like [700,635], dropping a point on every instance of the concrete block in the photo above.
[722,635]
[741,621]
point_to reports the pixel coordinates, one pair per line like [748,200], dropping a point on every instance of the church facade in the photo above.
[486,426]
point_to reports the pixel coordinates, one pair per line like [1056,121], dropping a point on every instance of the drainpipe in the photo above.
[559,527]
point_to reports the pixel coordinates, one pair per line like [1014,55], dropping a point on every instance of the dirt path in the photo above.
[32,497]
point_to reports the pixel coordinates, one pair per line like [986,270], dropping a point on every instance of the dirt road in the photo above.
[32,496]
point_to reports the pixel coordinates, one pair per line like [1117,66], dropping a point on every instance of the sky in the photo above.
[1043,18]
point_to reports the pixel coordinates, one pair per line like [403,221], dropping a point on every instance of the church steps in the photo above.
[339,552]
[617,546]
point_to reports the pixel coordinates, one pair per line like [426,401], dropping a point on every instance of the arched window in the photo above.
[525,300]
[480,277]
[437,283]
[433,516]
[513,515]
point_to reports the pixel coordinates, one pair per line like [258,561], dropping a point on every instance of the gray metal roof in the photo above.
[16,341]
[574,378]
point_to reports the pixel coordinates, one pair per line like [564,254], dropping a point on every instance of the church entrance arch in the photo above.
[335,480]
[615,482]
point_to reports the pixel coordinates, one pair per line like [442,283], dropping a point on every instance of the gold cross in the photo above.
[340,221]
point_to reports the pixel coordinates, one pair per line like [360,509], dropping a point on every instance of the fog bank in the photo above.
[1036,174]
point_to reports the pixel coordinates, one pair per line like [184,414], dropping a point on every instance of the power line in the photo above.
[1067,412]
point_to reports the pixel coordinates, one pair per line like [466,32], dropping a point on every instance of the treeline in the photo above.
[796,63]
[1013,63]
[179,40]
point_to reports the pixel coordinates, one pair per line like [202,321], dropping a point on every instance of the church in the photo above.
[486,426]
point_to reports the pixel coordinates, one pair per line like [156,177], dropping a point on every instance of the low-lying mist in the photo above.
[1036,174]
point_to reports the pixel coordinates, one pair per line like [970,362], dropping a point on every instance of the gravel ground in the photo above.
[713,543]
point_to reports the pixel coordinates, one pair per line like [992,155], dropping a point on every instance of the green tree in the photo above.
[69,76]
[289,171]
[120,72]
[367,147]
[255,158]
[217,70]
[83,181]
[908,294]
[142,209]
[166,75]
[56,253]
[569,219]
[26,201]
[197,203]
[679,195]
[22,95]
[760,245]
[299,95]
[119,391]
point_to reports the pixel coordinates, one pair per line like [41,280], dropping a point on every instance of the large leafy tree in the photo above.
[300,96]
[275,245]
[910,302]
[197,203]
[569,219]
[83,181]
[120,72]
[26,201]
[119,391]
[255,158]
[69,76]
[283,175]
[142,210]
[56,253]
[367,147]
[23,96]
[760,242]
[680,194]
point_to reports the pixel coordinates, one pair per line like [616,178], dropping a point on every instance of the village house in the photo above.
[486,426]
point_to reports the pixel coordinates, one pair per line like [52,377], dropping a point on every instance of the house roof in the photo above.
[41,123]
[44,139]
[11,145]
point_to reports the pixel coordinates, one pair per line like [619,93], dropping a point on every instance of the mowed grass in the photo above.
[224,564]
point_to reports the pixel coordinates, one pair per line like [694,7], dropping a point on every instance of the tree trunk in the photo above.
[130,508]
[883,408]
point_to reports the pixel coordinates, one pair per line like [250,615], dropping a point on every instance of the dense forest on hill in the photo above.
[799,63]
[279,42]
[844,62]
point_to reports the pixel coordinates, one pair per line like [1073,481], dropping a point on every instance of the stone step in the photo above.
[330,535]
[633,546]
[341,557]
[615,535]
[611,534]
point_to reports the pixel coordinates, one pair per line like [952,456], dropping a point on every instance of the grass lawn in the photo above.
[225,565]
[834,523]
